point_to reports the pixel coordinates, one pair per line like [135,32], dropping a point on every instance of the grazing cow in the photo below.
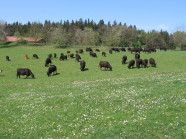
[123,49]
[89,50]
[103,54]
[26,56]
[131,64]
[138,63]
[93,54]
[52,69]
[136,50]
[77,58]
[117,50]
[152,62]
[147,50]
[129,49]
[124,59]
[137,56]
[81,51]
[97,50]
[47,62]
[110,51]
[105,64]
[152,49]
[63,57]
[144,63]
[55,55]
[35,56]
[50,56]
[7,58]
[82,65]
[163,48]
[72,56]
[24,71]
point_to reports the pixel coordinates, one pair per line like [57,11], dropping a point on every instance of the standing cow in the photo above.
[77,58]
[145,62]
[82,65]
[7,58]
[138,63]
[152,62]
[124,59]
[103,54]
[24,71]
[48,61]
[105,64]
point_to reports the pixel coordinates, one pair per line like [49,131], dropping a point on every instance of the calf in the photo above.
[124,59]
[82,65]
[152,62]
[35,56]
[131,64]
[47,62]
[7,58]
[105,64]
[52,69]
[24,71]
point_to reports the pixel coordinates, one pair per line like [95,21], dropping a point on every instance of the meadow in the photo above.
[145,103]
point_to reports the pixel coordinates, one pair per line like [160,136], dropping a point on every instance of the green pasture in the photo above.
[145,103]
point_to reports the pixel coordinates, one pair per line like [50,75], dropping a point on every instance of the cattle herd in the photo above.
[52,69]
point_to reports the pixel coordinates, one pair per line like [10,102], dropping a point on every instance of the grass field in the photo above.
[145,103]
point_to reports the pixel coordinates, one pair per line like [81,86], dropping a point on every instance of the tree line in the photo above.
[90,33]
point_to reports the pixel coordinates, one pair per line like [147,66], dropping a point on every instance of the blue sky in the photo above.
[167,15]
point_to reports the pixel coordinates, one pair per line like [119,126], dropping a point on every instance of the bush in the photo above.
[21,41]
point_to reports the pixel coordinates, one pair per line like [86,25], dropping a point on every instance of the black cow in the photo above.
[52,69]
[68,52]
[47,62]
[163,48]
[35,56]
[93,54]
[81,51]
[123,49]
[82,65]
[1,70]
[138,63]
[124,59]
[131,64]
[136,50]
[89,50]
[7,58]
[77,58]
[55,55]
[152,62]
[110,51]
[103,54]
[147,50]
[49,55]
[137,56]
[72,56]
[24,71]
[145,63]
[97,50]
[63,57]
[105,64]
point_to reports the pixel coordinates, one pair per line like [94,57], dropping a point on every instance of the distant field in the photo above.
[123,103]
